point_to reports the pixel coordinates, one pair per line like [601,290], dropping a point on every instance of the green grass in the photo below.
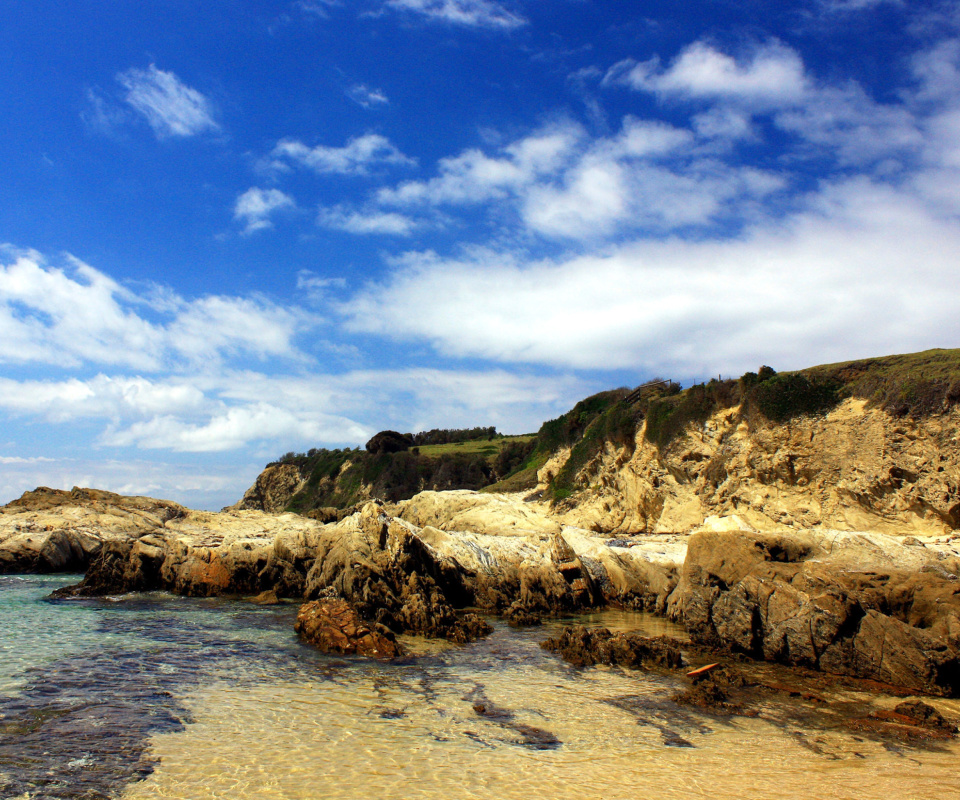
[487,447]
[915,384]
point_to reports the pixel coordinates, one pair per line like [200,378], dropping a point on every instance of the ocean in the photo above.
[152,696]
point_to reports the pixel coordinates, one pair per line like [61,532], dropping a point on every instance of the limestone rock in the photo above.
[854,469]
[50,530]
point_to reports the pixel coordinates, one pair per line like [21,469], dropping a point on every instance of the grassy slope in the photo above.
[490,448]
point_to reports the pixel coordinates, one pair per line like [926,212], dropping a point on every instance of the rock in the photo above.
[705,694]
[332,625]
[854,468]
[841,603]
[584,647]
[272,490]
[50,530]
[924,715]
[518,616]
[392,576]
[266,598]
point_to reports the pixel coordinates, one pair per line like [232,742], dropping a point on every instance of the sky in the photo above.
[229,230]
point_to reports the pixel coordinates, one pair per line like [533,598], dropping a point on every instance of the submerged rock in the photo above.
[584,647]
[332,625]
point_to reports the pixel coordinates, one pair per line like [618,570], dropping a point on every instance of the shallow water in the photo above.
[162,697]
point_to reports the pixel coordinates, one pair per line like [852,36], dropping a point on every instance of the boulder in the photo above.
[332,625]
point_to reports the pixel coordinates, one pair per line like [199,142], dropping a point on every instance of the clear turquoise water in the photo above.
[152,696]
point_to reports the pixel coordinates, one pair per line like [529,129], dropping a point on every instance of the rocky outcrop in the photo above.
[393,572]
[855,468]
[512,549]
[332,625]
[272,490]
[866,605]
[50,530]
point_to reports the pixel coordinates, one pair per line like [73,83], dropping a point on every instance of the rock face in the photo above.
[853,469]
[513,550]
[863,605]
[272,490]
[393,572]
[333,626]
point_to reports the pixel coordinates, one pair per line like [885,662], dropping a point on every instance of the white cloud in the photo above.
[366,222]
[170,107]
[470,13]
[215,326]
[254,207]
[49,316]
[474,177]
[77,316]
[233,428]
[355,158]
[566,186]
[102,396]
[773,75]
[367,97]
[865,270]
[845,6]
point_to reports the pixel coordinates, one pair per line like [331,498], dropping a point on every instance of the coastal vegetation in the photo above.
[395,466]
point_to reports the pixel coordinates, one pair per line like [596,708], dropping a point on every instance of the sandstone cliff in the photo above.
[854,468]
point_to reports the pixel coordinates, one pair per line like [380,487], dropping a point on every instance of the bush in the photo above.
[782,397]
[669,416]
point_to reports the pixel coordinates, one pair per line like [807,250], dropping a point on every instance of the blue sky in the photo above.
[234,229]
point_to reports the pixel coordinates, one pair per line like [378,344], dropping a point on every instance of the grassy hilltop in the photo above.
[916,384]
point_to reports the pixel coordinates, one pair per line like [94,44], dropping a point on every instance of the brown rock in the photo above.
[332,625]
[583,647]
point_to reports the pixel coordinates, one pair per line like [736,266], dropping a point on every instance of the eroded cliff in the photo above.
[853,468]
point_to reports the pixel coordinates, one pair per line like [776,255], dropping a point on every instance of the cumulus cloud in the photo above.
[474,177]
[469,13]
[864,269]
[355,158]
[565,185]
[170,107]
[772,75]
[75,315]
[255,206]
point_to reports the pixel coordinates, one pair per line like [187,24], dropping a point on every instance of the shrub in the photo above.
[782,397]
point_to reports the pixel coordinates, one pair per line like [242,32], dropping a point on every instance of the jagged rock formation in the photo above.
[871,605]
[272,490]
[390,570]
[865,605]
[854,468]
